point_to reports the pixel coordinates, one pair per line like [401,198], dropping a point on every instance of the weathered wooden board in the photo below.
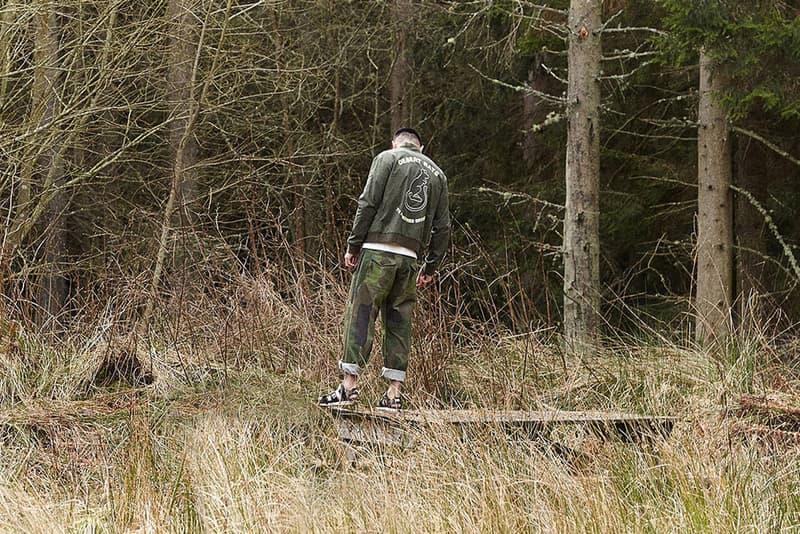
[399,428]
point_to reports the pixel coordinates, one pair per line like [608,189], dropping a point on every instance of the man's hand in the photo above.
[350,261]
[424,279]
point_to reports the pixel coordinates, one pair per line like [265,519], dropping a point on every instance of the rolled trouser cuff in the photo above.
[393,374]
[350,368]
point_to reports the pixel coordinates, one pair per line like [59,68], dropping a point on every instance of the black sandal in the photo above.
[339,397]
[394,405]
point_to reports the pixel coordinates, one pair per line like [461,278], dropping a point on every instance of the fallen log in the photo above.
[768,405]
[769,412]
[785,437]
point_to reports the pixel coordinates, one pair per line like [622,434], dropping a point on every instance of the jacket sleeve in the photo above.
[440,233]
[369,201]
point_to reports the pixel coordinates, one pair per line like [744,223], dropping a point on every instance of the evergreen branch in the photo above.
[642,110]
[670,123]
[541,8]
[653,136]
[547,9]
[466,26]
[772,261]
[665,180]
[552,118]
[610,20]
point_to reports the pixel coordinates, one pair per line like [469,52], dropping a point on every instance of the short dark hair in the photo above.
[410,131]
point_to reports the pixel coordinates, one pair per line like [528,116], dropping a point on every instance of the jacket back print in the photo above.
[404,202]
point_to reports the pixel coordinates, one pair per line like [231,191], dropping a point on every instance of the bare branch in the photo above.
[628,54]
[552,73]
[629,73]
[787,250]
[772,146]
[522,88]
[634,29]
[508,196]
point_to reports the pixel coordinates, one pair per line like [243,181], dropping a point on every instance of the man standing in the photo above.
[402,213]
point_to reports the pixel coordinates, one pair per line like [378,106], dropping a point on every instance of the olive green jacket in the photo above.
[404,202]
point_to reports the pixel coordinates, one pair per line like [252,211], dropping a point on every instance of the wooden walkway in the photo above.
[358,426]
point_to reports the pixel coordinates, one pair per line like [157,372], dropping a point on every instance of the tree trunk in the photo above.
[751,173]
[582,215]
[714,210]
[52,287]
[7,19]
[294,176]
[400,82]
[180,95]
[181,98]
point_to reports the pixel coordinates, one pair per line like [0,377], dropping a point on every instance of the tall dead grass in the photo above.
[226,437]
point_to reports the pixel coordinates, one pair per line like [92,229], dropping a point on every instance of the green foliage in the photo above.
[759,42]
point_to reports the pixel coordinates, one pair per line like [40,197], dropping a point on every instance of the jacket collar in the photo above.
[410,146]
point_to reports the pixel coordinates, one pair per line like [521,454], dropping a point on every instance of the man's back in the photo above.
[404,202]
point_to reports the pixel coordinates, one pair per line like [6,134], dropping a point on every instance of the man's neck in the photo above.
[410,146]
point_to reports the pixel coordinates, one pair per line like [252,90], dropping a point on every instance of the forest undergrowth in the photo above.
[207,423]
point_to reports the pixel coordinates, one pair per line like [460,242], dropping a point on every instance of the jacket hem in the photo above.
[399,239]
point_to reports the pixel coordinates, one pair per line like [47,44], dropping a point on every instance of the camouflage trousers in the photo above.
[383,283]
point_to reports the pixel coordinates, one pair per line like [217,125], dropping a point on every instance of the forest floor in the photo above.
[252,453]
[227,438]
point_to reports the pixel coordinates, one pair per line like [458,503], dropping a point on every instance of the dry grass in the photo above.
[226,438]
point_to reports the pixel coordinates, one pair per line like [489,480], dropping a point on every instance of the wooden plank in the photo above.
[488,417]
[397,428]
